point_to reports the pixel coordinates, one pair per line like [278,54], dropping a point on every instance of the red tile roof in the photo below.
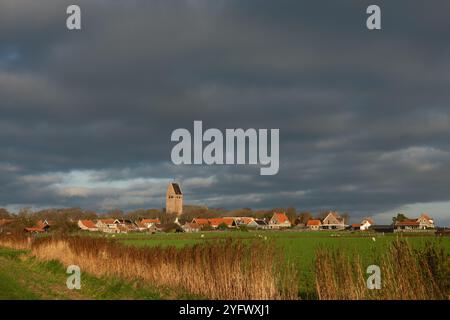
[313,222]
[200,221]
[150,221]
[247,220]
[89,224]
[191,225]
[408,223]
[356,225]
[228,221]
[280,217]
[39,227]
[214,222]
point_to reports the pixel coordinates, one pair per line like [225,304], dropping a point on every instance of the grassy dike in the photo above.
[24,277]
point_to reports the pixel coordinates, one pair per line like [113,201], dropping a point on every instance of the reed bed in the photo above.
[406,274]
[223,270]
[230,269]
[16,241]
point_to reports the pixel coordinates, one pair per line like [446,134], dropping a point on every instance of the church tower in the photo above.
[174,199]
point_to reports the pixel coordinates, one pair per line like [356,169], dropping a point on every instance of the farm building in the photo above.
[424,222]
[382,228]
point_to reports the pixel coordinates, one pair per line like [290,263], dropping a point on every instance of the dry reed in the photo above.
[222,270]
[406,274]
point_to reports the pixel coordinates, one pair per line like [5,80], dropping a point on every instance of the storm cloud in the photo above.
[364,116]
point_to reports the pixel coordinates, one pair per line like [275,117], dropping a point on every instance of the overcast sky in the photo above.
[364,116]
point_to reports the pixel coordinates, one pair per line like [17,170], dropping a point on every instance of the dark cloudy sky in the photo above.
[364,116]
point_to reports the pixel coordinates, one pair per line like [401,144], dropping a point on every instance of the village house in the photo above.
[333,221]
[87,225]
[279,220]
[174,199]
[314,224]
[40,227]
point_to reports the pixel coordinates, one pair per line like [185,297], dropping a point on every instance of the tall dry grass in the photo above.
[16,241]
[406,274]
[223,270]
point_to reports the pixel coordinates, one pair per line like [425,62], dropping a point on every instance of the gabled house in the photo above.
[314,224]
[279,220]
[425,222]
[87,225]
[333,221]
